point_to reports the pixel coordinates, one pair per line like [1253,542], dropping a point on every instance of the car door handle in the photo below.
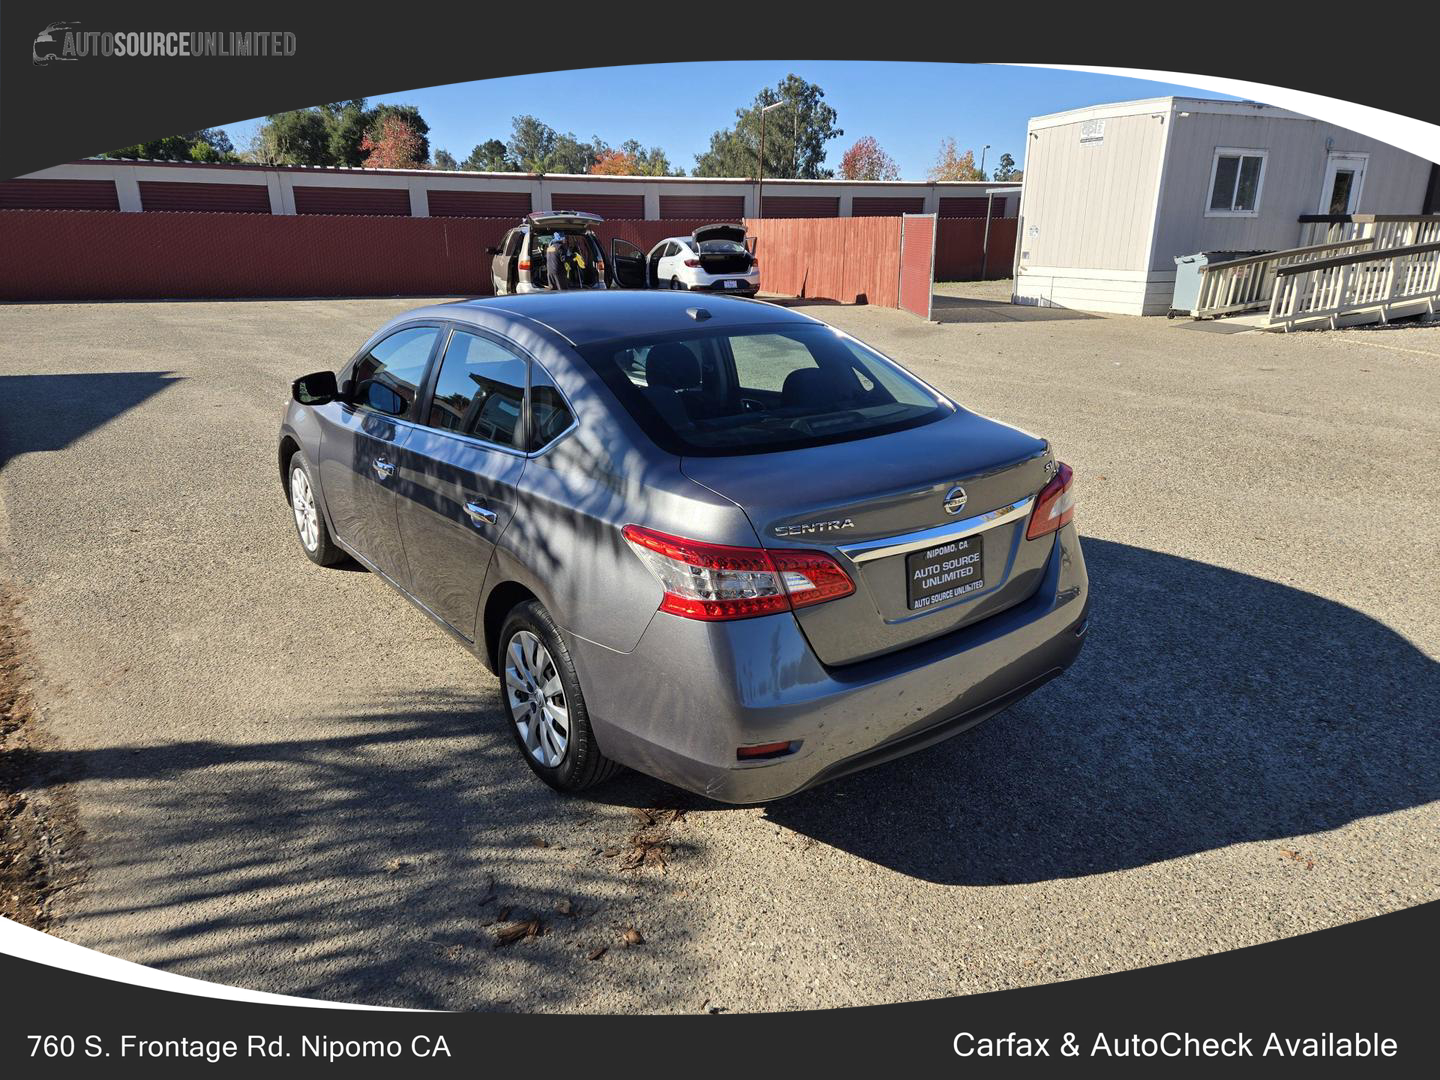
[383,469]
[481,515]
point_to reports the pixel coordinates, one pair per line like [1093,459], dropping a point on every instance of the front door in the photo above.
[458,474]
[1344,178]
[361,441]
[627,264]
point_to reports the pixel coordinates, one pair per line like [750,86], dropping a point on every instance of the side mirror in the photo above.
[317,388]
[381,398]
[492,251]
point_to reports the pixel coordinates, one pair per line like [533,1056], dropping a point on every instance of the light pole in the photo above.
[760,188]
[982,160]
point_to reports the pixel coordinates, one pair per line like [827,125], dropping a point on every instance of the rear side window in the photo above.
[388,377]
[549,414]
[759,390]
[480,390]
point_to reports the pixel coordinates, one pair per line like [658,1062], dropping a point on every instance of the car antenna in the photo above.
[699,314]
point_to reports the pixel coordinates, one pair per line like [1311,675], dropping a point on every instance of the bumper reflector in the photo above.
[765,750]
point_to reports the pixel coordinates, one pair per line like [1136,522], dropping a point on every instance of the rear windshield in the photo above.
[758,390]
[722,247]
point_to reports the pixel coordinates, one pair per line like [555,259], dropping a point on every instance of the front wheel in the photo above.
[310,527]
[544,705]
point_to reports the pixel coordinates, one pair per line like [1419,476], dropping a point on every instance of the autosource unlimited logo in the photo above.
[62,42]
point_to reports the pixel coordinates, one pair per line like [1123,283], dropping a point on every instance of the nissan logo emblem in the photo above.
[955,500]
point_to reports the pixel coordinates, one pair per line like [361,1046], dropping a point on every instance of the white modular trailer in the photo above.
[1114,192]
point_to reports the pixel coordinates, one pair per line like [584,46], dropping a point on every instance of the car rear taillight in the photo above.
[1055,506]
[692,263]
[524,264]
[718,581]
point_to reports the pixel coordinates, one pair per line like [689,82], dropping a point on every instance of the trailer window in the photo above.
[1235,180]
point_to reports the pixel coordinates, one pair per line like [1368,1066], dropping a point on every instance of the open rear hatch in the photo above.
[721,248]
[565,221]
[879,506]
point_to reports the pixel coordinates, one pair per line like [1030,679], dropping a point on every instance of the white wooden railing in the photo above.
[1248,284]
[1387,283]
[1388,230]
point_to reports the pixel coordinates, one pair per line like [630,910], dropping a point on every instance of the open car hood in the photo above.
[720,232]
[565,221]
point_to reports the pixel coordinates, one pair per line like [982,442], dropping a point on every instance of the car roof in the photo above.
[585,316]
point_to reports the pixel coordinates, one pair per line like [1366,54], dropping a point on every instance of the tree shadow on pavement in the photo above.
[373,866]
[1209,708]
[970,309]
[49,412]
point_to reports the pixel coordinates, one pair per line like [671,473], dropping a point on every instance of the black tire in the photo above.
[675,283]
[325,551]
[582,765]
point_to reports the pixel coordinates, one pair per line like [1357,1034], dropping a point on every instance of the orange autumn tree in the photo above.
[615,163]
[393,144]
[952,165]
[867,161]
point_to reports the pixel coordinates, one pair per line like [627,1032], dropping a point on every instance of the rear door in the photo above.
[361,442]
[459,470]
[627,264]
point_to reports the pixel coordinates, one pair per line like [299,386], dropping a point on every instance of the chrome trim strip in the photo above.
[941,534]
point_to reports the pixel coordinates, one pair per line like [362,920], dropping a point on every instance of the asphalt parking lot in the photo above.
[291,781]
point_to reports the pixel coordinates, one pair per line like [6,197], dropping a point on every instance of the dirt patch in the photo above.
[39,836]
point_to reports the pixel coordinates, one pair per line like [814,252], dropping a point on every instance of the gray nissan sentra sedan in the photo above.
[711,539]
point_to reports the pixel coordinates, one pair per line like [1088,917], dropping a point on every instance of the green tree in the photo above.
[298,137]
[443,159]
[651,162]
[1006,169]
[208,145]
[490,156]
[347,123]
[796,135]
[332,134]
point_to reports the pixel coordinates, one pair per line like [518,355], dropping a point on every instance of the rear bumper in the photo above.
[690,693]
[745,284]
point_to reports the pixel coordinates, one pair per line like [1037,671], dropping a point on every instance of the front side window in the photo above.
[758,390]
[1235,180]
[480,390]
[388,377]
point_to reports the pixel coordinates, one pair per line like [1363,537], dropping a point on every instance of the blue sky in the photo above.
[908,107]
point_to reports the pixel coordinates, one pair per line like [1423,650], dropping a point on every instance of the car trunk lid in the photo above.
[878,505]
[721,249]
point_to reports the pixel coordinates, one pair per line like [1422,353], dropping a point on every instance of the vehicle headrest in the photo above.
[814,386]
[672,365]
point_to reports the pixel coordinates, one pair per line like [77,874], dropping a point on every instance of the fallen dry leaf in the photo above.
[518,931]
[632,937]
[598,953]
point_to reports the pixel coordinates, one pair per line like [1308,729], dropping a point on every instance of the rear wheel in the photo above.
[310,527]
[675,283]
[543,702]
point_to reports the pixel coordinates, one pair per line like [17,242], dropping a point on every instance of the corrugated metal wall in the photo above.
[714,207]
[886,207]
[607,206]
[853,260]
[174,255]
[58,194]
[445,203]
[960,249]
[218,198]
[801,206]
[314,199]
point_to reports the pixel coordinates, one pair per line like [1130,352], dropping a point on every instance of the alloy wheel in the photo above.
[537,699]
[307,518]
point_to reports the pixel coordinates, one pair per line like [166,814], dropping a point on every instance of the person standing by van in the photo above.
[559,263]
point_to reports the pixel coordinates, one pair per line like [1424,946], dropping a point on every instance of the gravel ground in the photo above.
[290,780]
